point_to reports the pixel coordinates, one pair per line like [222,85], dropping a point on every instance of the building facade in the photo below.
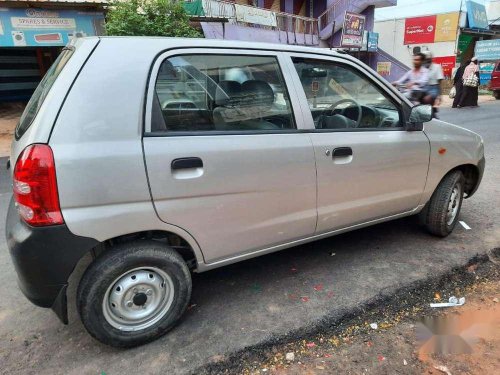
[32,33]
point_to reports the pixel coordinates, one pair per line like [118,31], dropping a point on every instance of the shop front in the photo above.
[31,39]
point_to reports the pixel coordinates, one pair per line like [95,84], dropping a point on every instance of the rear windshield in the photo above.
[41,92]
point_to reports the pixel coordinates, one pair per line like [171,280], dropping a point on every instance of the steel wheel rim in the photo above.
[138,299]
[453,205]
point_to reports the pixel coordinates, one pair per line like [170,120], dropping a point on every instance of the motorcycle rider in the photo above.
[415,80]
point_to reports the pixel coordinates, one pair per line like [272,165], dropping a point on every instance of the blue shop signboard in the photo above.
[43,27]
[372,42]
[476,15]
[488,50]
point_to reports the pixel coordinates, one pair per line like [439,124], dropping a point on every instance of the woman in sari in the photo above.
[470,92]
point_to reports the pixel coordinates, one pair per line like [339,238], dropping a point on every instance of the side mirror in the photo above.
[418,115]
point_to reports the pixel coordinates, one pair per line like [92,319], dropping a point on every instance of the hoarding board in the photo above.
[476,15]
[447,64]
[446,27]
[255,15]
[485,71]
[372,42]
[42,27]
[420,30]
[384,68]
[488,50]
[352,31]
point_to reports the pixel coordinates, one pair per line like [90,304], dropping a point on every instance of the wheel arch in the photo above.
[472,174]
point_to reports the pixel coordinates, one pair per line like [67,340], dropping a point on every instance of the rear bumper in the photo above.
[44,258]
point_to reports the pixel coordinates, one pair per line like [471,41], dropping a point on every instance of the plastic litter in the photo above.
[374,325]
[443,369]
[452,302]
[405,363]
[290,357]
[310,345]
[318,287]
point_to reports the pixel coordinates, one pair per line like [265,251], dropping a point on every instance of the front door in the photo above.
[224,157]
[368,166]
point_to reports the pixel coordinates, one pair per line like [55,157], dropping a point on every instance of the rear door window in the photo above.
[224,93]
[41,92]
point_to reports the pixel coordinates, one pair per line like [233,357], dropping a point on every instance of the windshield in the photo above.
[41,92]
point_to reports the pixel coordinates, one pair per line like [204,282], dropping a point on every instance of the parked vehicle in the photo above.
[495,81]
[161,157]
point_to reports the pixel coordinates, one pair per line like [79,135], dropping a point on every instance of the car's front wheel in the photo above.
[441,214]
[134,293]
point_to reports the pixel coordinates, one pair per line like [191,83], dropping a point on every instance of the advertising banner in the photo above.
[39,27]
[446,27]
[447,63]
[476,15]
[255,15]
[420,30]
[485,71]
[384,68]
[488,50]
[352,31]
[372,42]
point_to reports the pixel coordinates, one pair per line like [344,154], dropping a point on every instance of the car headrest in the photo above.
[257,93]
[227,92]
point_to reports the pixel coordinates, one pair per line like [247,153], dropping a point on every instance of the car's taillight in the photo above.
[35,186]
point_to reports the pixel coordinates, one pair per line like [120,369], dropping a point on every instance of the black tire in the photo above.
[109,266]
[434,215]
[496,94]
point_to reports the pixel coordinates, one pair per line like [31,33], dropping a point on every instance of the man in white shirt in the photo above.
[415,80]
[434,85]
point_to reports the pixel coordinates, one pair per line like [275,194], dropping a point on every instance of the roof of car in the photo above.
[217,43]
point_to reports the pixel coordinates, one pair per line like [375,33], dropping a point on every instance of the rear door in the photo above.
[368,166]
[225,159]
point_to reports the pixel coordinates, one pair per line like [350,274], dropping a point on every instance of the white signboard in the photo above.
[255,15]
[45,22]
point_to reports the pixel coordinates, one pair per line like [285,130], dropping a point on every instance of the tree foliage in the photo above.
[149,18]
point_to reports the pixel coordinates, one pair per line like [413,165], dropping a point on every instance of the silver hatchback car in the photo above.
[164,156]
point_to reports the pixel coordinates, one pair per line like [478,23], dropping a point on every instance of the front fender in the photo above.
[450,147]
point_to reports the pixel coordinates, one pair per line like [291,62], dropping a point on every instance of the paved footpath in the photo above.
[258,300]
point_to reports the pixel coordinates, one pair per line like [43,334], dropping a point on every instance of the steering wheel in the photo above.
[342,101]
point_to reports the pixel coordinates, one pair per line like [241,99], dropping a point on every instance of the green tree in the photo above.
[149,18]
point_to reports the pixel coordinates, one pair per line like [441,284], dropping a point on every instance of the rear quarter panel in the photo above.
[41,127]
[97,145]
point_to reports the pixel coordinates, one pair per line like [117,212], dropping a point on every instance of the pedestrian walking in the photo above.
[458,83]
[433,94]
[470,90]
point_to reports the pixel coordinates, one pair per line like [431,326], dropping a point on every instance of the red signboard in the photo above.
[447,63]
[420,30]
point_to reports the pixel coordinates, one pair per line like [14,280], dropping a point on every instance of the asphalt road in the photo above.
[264,298]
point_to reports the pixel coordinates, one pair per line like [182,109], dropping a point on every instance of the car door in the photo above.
[224,157]
[368,166]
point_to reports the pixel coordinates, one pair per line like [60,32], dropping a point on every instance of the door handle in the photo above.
[341,152]
[186,163]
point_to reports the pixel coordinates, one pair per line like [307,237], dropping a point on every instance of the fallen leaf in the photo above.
[318,287]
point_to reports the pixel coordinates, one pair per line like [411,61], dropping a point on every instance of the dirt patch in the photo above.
[409,336]
[9,117]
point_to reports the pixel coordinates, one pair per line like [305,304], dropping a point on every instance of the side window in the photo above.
[221,93]
[342,98]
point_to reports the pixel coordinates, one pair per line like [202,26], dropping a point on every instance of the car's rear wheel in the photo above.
[441,214]
[496,94]
[134,293]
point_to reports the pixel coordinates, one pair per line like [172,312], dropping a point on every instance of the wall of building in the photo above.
[391,40]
